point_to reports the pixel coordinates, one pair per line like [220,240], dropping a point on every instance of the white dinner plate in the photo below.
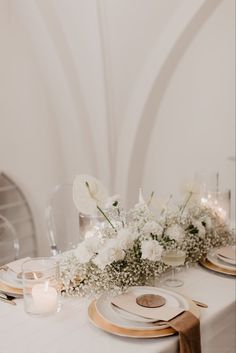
[123,319]
[228,254]
[227,260]
[213,257]
[10,279]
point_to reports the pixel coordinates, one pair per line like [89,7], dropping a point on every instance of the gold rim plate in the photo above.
[10,290]
[210,266]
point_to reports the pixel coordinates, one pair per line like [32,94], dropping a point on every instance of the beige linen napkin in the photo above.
[188,327]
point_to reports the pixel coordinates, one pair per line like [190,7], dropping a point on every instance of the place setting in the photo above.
[221,260]
[36,280]
[141,312]
[11,285]
[144,312]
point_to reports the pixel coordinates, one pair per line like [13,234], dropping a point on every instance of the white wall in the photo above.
[136,92]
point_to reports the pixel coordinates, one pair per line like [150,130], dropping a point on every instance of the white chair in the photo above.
[16,209]
[9,243]
[62,220]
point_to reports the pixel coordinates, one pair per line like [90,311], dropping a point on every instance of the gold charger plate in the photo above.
[10,290]
[97,320]
[210,266]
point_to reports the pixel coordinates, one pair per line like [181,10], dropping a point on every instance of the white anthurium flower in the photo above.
[201,229]
[175,232]
[151,250]
[152,227]
[88,193]
[110,252]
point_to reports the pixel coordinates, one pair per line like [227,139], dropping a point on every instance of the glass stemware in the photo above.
[173,258]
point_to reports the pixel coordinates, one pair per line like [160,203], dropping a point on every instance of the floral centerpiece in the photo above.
[129,247]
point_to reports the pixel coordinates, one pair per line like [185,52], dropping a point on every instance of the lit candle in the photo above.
[45,298]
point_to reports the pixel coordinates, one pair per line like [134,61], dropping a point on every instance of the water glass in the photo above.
[41,286]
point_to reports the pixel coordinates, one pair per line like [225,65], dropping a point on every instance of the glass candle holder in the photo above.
[219,201]
[41,286]
[90,225]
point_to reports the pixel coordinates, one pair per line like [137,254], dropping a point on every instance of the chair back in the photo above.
[15,207]
[9,243]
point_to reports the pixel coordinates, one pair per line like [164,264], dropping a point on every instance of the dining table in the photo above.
[70,330]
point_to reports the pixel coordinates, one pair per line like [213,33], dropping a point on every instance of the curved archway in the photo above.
[152,84]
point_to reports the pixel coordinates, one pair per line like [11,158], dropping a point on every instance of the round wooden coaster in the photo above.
[150,300]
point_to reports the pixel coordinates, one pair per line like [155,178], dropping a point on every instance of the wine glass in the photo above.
[173,258]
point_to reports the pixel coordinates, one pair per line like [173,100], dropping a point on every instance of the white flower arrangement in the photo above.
[129,251]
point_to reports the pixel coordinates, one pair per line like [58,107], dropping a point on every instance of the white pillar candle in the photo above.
[45,298]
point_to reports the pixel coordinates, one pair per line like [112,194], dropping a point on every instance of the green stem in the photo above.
[186,202]
[150,199]
[108,220]
[166,205]
[94,198]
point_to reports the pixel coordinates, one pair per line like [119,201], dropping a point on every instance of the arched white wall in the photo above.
[136,92]
[194,128]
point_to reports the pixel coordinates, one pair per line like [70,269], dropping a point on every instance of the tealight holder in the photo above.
[41,286]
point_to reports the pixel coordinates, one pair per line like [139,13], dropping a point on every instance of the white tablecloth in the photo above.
[70,331]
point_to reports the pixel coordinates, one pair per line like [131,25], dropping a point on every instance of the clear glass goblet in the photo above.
[173,258]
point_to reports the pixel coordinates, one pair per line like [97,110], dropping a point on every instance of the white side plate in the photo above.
[10,279]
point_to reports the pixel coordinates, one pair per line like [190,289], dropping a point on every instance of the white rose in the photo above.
[175,232]
[125,238]
[92,244]
[109,253]
[101,260]
[151,250]
[152,227]
[86,250]
[83,254]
